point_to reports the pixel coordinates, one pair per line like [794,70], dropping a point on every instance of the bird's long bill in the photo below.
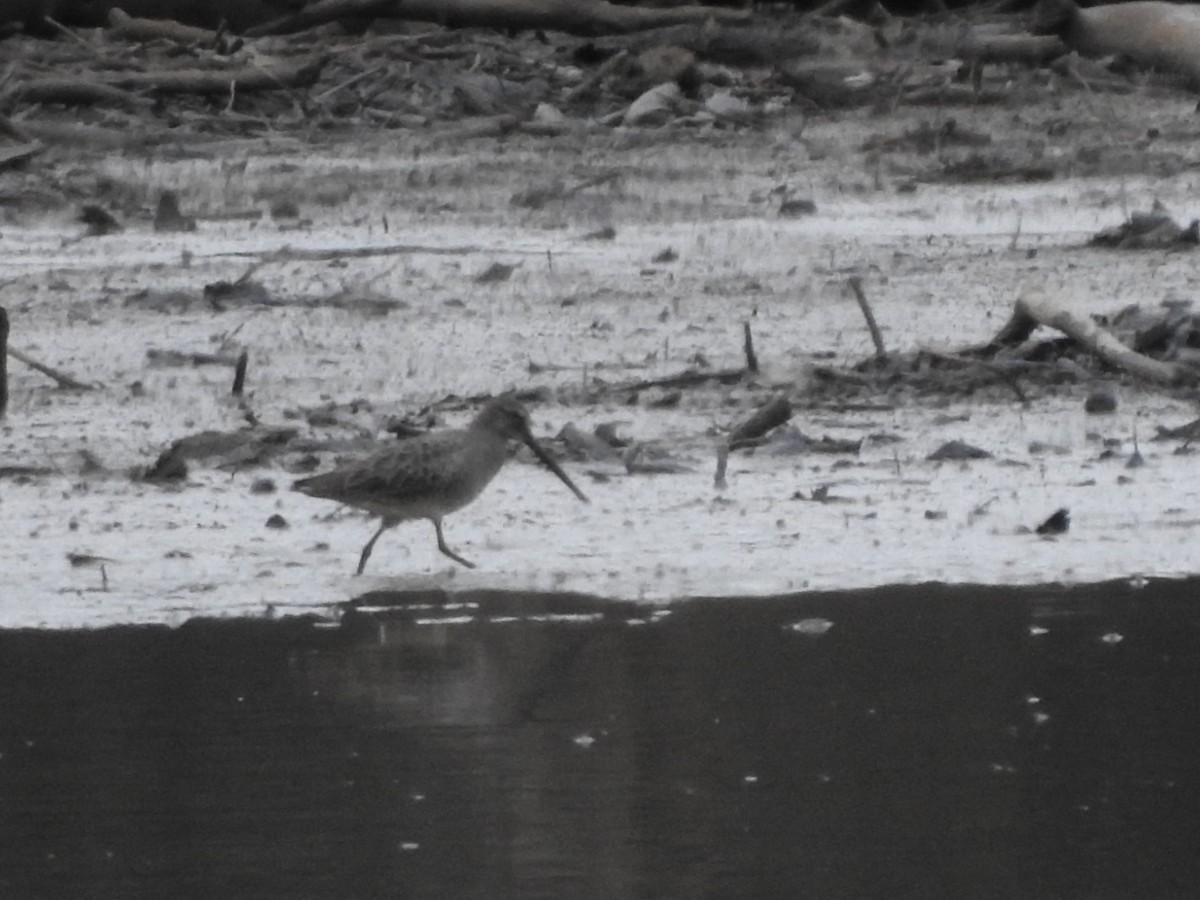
[549,463]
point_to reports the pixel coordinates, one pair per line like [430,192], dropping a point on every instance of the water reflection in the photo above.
[923,742]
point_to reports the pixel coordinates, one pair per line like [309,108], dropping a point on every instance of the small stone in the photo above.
[168,217]
[1058,523]
[1100,403]
[814,627]
[957,450]
[285,208]
[263,486]
[495,273]
[797,207]
[548,115]
[727,105]
[98,220]
[277,521]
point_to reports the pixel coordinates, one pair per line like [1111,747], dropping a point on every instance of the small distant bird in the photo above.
[430,476]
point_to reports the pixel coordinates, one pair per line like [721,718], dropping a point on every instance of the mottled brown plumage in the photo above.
[430,476]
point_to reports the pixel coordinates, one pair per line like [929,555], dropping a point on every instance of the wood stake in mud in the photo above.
[872,326]
[748,346]
[3,361]
[239,373]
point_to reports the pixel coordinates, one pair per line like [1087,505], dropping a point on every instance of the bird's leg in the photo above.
[366,551]
[437,524]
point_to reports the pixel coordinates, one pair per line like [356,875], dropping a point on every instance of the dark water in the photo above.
[931,743]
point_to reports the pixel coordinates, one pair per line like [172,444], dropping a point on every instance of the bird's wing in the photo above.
[413,470]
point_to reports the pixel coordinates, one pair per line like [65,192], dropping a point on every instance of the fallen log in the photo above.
[748,44]
[74,92]
[1158,35]
[587,17]
[1035,308]
[126,27]
[1030,49]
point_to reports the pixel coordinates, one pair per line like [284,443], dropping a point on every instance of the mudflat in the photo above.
[392,270]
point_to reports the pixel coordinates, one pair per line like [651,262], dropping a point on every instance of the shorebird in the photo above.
[430,476]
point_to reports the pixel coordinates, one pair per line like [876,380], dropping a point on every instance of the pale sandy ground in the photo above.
[939,265]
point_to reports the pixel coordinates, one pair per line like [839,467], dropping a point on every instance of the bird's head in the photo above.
[506,417]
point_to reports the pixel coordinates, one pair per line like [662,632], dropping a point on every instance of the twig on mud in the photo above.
[60,27]
[876,338]
[1002,372]
[81,91]
[64,380]
[689,378]
[294,254]
[220,82]
[353,79]
[590,83]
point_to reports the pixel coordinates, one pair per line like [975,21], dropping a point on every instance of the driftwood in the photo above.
[747,44]
[690,378]
[593,81]
[77,135]
[770,415]
[75,92]
[1030,49]
[1006,371]
[587,17]
[123,26]
[1034,308]
[222,81]
[1164,36]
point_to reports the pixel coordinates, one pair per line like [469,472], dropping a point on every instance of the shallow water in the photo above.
[915,742]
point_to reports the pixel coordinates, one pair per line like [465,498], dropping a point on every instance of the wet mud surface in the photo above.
[370,306]
[917,742]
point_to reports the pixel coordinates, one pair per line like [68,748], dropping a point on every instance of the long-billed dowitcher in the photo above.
[430,476]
